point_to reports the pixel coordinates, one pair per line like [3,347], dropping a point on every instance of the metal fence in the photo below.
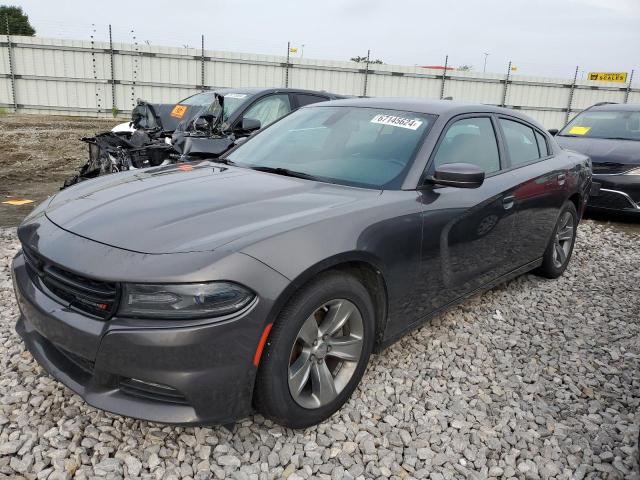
[88,77]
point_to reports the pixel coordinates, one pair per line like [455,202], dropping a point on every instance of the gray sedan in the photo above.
[265,279]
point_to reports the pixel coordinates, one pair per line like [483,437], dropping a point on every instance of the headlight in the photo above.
[192,300]
[635,171]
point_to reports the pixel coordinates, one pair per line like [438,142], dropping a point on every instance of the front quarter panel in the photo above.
[385,234]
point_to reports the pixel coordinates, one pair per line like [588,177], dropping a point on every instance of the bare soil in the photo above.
[38,153]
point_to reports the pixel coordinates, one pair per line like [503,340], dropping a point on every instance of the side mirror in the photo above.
[201,124]
[250,124]
[461,175]
[553,131]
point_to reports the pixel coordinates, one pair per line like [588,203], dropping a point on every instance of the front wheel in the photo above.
[558,253]
[317,352]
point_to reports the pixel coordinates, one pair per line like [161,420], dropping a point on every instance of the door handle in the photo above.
[561,178]
[507,202]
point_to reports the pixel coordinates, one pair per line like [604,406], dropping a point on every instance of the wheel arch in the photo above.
[366,267]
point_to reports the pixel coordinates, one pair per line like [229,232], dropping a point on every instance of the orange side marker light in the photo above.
[261,344]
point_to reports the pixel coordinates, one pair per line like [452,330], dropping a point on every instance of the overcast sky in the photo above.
[541,37]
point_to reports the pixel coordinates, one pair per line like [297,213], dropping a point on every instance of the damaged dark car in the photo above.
[204,125]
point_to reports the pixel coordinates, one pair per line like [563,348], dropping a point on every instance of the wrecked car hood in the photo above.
[187,208]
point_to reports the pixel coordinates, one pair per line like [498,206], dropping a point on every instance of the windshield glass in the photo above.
[366,147]
[604,124]
[206,100]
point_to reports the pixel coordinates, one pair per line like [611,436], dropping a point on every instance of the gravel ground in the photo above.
[534,379]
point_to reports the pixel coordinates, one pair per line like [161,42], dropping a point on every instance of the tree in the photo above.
[465,68]
[364,60]
[18,21]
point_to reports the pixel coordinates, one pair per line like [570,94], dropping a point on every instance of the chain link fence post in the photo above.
[444,76]
[366,74]
[94,70]
[11,67]
[113,80]
[202,63]
[573,87]
[506,86]
[286,66]
[626,93]
[135,65]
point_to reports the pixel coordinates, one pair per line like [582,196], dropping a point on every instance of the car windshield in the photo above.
[206,100]
[366,147]
[620,124]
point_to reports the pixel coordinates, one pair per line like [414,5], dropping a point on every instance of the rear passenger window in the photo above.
[470,140]
[304,99]
[521,142]
[542,145]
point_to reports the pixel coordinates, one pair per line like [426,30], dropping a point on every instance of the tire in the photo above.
[550,267]
[331,295]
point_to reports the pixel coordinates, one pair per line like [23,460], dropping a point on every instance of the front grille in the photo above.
[607,199]
[151,391]
[90,296]
[610,168]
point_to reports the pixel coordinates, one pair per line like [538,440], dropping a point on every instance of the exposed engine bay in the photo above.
[160,134]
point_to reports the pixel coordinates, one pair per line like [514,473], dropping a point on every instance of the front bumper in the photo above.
[615,192]
[202,373]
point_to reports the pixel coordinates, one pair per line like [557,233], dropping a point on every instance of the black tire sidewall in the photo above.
[273,397]
[548,268]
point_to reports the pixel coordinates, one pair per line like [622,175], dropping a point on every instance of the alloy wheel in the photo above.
[564,239]
[325,353]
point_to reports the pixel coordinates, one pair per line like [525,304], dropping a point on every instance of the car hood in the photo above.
[188,208]
[607,156]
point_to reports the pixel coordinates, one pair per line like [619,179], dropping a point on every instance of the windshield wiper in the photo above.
[224,161]
[284,171]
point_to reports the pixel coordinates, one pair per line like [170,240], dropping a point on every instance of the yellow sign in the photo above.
[293,50]
[577,130]
[18,201]
[620,77]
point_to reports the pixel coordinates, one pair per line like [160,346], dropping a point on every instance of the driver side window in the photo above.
[269,109]
[470,140]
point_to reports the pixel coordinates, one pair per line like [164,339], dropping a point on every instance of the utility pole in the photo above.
[486,55]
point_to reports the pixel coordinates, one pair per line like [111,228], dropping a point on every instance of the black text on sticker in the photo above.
[401,122]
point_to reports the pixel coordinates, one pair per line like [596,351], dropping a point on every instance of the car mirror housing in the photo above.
[460,175]
[553,131]
[250,124]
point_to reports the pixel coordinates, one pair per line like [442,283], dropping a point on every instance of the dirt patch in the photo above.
[38,153]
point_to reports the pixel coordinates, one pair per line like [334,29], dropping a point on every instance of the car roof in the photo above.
[448,108]
[616,107]
[260,90]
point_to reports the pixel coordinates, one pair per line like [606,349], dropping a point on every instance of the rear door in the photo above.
[468,233]
[541,179]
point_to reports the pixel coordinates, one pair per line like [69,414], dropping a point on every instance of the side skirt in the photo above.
[504,278]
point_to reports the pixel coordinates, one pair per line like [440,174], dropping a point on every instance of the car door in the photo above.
[268,109]
[542,180]
[467,233]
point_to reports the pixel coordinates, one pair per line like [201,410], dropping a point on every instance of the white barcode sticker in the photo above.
[235,95]
[410,123]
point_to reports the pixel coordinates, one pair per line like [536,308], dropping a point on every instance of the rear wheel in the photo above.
[317,351]
[558,253]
